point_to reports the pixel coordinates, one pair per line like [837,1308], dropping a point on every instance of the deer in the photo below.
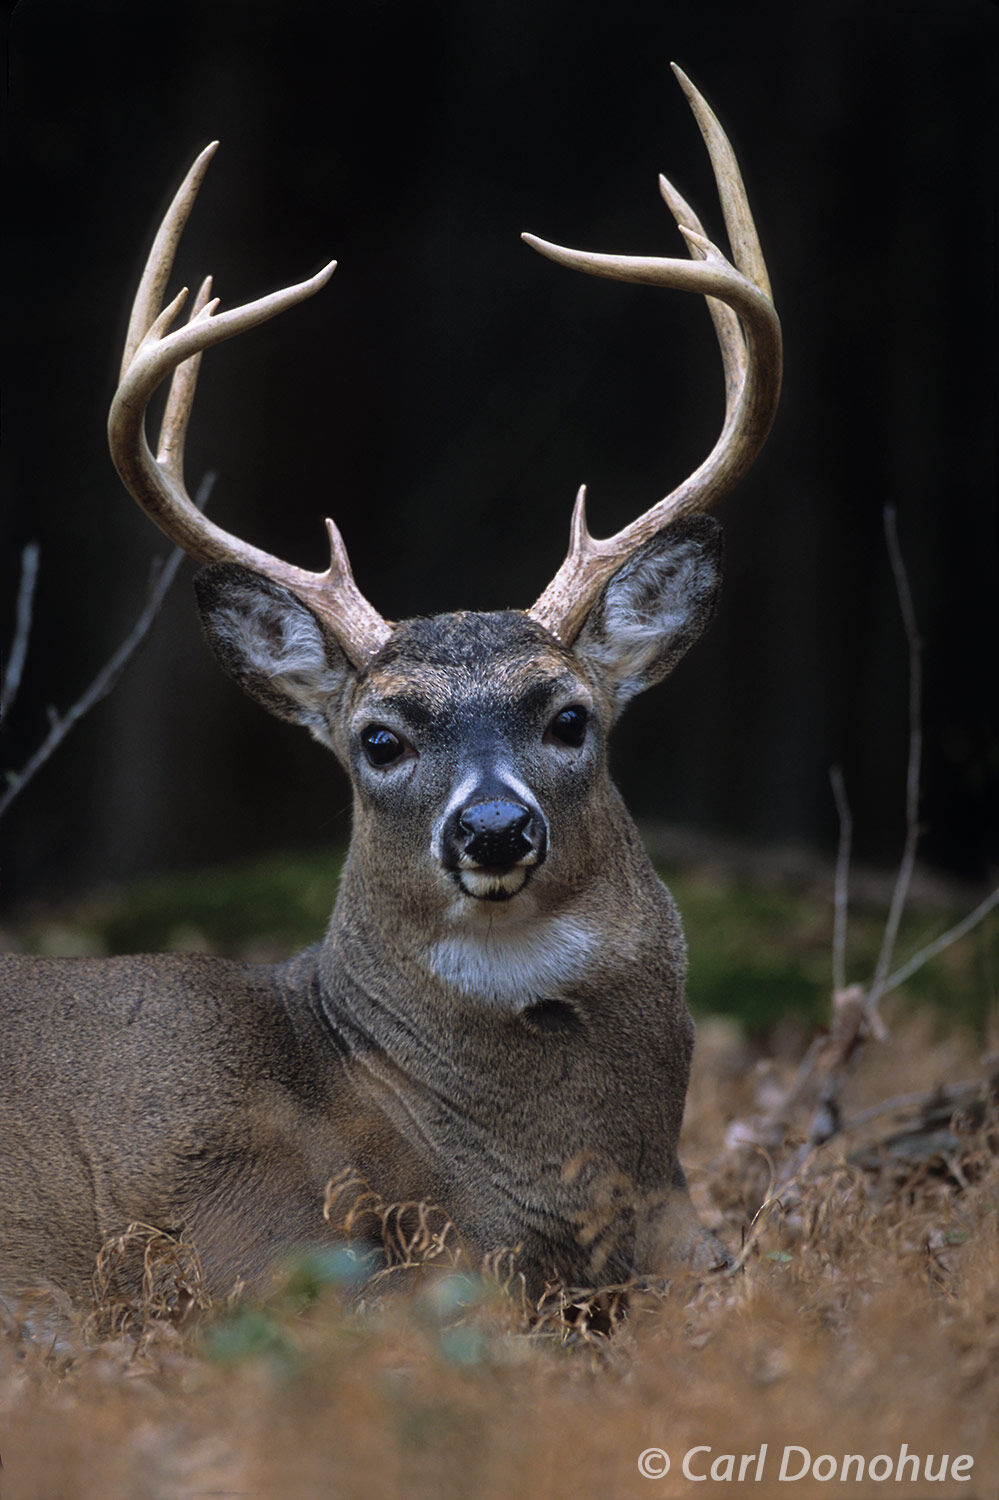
[495,1019]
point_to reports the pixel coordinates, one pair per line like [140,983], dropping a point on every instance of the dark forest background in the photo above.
[449,390]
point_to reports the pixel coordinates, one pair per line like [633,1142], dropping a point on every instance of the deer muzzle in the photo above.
[493,844]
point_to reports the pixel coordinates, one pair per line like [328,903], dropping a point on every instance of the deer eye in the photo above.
[569,726]
[382,746]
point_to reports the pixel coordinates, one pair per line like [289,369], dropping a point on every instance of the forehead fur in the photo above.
[466,650]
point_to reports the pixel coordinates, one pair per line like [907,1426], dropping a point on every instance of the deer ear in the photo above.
[274,647]
[654,607]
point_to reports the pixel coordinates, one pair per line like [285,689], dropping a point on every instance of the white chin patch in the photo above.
[512,963]
[490,885]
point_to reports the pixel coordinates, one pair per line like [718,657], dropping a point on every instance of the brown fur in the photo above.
[522,1062]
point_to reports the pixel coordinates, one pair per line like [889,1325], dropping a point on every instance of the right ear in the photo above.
[273,647]
[654,607]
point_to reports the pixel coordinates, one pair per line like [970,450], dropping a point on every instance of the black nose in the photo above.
[495,833]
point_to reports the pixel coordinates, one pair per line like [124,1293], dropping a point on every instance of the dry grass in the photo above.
[866,1316]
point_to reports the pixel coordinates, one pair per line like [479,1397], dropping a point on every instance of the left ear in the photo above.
[654,607]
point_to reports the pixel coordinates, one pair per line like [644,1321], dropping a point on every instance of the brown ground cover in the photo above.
[859,1340]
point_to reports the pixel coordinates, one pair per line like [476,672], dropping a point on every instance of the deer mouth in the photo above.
[486,883]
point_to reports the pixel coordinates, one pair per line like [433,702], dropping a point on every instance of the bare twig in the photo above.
[950,1097]
[855,1015]
[850,1027]
[161,576]
[943,941]
[914,767]
[855,1008]
[841,887]
[12,672]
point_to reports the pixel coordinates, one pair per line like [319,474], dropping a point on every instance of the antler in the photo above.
[748,332]
[151,353]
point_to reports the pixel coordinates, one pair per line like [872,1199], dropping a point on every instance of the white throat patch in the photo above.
[522,963]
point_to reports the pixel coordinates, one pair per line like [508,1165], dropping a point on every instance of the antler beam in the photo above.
[748,331]
[152,352]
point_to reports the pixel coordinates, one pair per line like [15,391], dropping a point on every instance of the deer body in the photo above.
[521,1061]
[495,1021]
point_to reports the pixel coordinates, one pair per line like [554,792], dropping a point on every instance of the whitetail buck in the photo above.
[495,1019]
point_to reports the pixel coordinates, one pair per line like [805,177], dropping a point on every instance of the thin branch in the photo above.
[914,768]
[841,888]
[14,669]
[161,577]
[855,1018]
[944,941]
[950,1096]
[855,1009]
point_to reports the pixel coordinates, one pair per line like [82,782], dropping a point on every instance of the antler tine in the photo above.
[748,331]
[156,272]
[180,401]
[739,224]
[152,352]
[728,329]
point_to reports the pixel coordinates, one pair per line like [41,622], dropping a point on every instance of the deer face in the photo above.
[471,740]
[475,743]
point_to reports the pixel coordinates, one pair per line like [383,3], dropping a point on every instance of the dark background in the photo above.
[448,391]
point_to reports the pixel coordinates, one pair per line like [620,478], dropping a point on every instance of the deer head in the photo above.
[548,683]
